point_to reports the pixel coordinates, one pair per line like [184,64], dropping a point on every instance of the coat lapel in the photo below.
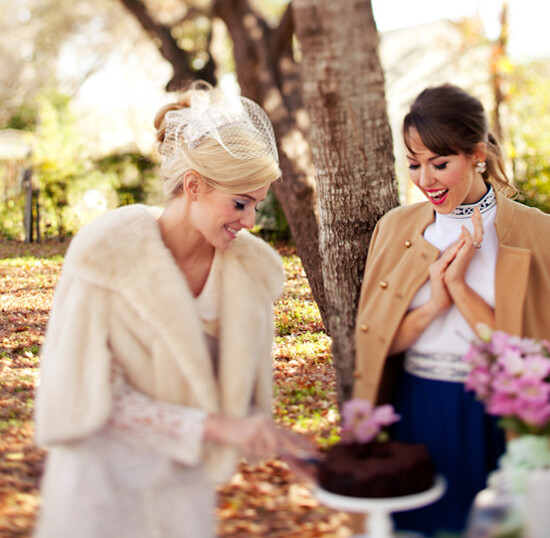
[243,343]
[511,279]
[511,273]
[124,251]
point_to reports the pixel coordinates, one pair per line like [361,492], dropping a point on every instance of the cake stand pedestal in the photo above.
[379,521]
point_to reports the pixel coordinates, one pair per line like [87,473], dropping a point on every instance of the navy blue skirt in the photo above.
[464,442]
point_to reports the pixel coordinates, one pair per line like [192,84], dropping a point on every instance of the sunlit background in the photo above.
[111,76]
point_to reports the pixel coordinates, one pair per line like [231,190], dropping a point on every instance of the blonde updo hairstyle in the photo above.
[450,121]
[241,157]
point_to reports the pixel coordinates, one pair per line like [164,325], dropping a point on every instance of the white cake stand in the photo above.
[379,521]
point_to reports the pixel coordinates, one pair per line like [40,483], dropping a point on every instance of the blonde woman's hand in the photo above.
[257,436]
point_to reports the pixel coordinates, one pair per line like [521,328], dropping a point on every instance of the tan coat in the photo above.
[397,266]
[121,294]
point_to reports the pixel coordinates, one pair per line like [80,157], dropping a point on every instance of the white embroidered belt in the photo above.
[438,366]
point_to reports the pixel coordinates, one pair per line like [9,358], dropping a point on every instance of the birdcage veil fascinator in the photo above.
[238,124]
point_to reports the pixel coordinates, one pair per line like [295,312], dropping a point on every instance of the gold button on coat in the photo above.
[383,284]
[408,243]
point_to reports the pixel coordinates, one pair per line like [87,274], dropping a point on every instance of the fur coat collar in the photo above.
[124,252]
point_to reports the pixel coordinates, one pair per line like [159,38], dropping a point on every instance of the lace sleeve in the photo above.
[173,430]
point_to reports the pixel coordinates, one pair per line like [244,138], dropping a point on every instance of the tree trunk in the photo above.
[268,74]
[498,55]
[350,136]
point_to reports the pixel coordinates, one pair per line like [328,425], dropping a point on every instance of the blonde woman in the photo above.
[156,367]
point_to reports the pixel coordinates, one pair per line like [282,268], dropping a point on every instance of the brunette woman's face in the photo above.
[219,216]
[447,181]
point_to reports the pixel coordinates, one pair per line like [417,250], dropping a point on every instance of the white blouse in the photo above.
[449,332]
[162,426]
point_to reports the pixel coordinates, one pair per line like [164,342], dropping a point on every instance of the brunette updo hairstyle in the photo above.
[218,167]
[450,121]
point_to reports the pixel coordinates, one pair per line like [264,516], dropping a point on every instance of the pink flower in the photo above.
[535,414]
[533,391]
[511,376]
[500,342]
[361,422]
[536,367]
[511,361]
[502,404]
[479,382]
[529,346]
[506,384]
[477,357]
[355,410]
[384,415]
[366,431]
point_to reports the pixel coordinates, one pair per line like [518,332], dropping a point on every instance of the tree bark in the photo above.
[350,136]
[497,56]
[268,74]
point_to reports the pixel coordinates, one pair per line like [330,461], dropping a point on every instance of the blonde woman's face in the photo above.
[219,216]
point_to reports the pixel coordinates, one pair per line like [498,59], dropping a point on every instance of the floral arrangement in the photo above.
[362,422]
[511,376]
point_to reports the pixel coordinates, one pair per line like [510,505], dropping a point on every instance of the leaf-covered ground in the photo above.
[260,500]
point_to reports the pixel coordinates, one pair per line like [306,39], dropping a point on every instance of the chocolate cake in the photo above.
[376,469]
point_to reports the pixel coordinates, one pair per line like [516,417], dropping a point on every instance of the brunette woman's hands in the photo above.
[440,299]
[418,319]
[471,305]
[455,273]
[448,286]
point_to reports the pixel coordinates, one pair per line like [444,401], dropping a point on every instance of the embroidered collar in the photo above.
[465,211]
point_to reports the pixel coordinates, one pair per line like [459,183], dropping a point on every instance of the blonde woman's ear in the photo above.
[191,184]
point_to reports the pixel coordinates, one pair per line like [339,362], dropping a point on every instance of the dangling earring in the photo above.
[480,167]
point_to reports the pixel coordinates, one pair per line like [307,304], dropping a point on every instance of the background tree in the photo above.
[33,37]
[499,61]
[343,86]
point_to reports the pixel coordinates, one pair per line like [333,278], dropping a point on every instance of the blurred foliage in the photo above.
[39,38]
[528,132]
[11,223]
[133,176]
[72,187]
[271,223]
[58,158]
[24,117]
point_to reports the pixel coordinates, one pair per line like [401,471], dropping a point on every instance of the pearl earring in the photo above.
[480,167]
